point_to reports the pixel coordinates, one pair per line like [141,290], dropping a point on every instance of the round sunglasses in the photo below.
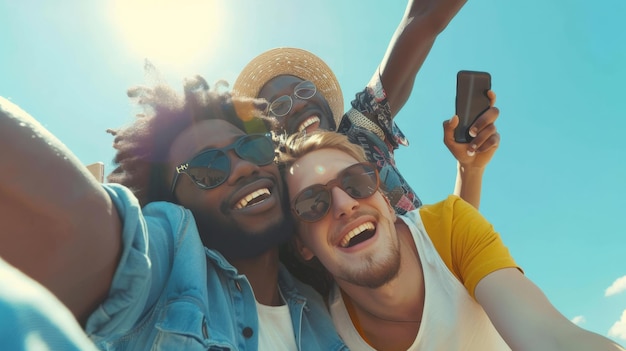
[211,167]
[282,105]
[360,181]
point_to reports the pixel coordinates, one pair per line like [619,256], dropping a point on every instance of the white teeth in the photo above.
[308,122]
[246,199]
[354,232]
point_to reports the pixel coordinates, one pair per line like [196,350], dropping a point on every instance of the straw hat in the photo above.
[295,62]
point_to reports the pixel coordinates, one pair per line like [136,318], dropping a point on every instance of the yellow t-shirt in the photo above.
[467,243]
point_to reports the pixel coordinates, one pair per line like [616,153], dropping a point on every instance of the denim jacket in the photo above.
[171,293]
[32,318]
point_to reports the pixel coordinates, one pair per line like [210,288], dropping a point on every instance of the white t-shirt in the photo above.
[451,320]
[275,328]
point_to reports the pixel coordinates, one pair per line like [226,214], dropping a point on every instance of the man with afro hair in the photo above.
[179,250]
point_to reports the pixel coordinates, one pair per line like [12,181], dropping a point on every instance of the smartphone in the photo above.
[471,101]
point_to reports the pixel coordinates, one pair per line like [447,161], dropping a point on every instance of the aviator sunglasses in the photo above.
[211,167]
[281,106]
[313,203]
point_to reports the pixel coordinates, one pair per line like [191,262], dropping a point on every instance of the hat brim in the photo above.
[290,61]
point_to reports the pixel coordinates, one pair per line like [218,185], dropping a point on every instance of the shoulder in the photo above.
[153,216]
[457,220]
[447,211]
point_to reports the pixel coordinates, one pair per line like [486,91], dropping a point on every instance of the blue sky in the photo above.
[554,190]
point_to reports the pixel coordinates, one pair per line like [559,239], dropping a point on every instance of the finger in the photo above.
[492,97]
[483,136]
[448,128]
[452,122]
[492,142]
[486,119]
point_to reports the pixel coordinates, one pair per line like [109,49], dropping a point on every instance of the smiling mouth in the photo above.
[358,235]
[253,198]
[308,122]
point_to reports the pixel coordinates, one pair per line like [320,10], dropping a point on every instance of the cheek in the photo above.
[184,196]
[303,231]
[200,201]
[310,235]
[385,203]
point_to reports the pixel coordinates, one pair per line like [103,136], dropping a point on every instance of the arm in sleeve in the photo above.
[392,83]
[58,225]
[151,236]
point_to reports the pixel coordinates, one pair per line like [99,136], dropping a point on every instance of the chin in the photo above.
[235,241]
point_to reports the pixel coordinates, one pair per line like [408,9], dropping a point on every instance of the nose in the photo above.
[240,168]
[297,105]
[343,204]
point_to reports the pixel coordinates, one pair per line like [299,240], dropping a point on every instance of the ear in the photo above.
[304,251]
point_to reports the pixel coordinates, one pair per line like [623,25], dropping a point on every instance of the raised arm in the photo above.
[526,320]
[472,158]
[58,225]
[422,22]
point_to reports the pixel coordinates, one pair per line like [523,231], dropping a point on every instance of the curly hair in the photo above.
[143,146]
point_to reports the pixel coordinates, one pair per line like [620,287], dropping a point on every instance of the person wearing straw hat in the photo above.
[304,95]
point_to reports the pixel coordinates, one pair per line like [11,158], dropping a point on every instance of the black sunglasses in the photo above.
[313,203]
[211,167]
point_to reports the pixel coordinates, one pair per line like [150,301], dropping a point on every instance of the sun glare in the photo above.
[176,32]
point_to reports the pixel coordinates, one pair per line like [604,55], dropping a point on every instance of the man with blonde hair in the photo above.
[436,278]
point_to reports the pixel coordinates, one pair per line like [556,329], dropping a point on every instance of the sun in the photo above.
[176,32]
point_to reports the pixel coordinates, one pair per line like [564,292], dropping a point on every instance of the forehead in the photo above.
[317,167]
[279,84]
[200,136]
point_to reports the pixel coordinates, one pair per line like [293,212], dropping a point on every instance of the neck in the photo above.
[262,273]
[389,317]
[401,300]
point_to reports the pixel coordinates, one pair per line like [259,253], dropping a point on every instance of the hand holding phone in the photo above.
[471,101]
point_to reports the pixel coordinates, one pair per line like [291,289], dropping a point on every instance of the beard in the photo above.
[374,274]
[235,241]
